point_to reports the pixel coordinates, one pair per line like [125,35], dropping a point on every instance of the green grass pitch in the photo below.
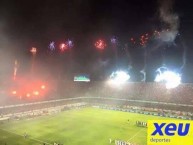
[87,126]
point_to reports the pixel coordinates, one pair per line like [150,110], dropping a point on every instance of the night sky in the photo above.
[25,24]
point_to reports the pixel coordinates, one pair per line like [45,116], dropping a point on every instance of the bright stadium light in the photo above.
[171,79]
[119,77]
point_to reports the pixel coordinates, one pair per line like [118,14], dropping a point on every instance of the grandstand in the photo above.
[135,91]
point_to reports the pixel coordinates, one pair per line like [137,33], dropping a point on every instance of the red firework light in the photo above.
[100,44]
[27,89]
[63,47]
[33,50]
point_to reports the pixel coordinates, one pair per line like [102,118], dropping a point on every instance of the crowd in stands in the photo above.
[34,110]
[156,92]
[19,108]
[183,94]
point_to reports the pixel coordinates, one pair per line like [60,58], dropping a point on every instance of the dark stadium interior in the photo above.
[71,65]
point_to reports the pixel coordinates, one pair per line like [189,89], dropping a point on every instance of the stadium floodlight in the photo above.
[171,79]
[119,77]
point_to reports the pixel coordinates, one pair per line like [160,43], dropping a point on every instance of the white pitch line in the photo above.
[135,134]
[27,138]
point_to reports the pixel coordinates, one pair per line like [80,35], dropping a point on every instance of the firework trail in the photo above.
[33,51]
[15,70]
[143,71]
[184,55]
[166,35]
[114,42]
[128,55]
[161,69]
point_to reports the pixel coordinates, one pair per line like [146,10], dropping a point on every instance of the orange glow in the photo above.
[36,93]
[24,88]
[33,50]
[43,87]
[28,95]
[100,44]
[63,47]
[14,92]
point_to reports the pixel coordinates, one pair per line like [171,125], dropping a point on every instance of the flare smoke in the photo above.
[170,20]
